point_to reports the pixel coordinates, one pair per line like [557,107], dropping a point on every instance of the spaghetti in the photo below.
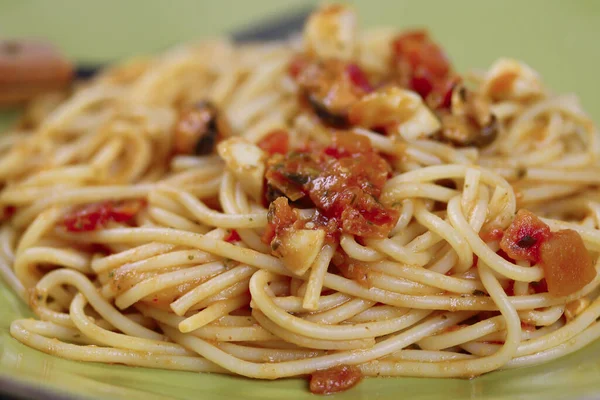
[340,206]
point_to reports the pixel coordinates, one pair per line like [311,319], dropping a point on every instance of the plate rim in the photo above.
[13,387]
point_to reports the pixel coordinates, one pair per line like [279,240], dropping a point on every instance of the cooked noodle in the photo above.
[170,289]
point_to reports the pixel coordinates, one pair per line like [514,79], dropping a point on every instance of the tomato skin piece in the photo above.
[424,67]
[276,142]
[523,238]
[566,262]
[94,216]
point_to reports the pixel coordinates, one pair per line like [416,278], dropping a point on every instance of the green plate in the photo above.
[557,38]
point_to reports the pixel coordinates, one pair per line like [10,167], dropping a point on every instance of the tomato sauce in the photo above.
[90,217]
[423,67]
[342,181]
[336,379]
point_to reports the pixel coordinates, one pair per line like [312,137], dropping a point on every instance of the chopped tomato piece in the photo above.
[336,379]
[7,212]
[233,236]
[358,77]
[331,87]
[95,216]
[424,67]
[566,262]
[276,142]
[524,236]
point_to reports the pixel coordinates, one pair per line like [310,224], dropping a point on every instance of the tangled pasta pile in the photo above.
[339,206]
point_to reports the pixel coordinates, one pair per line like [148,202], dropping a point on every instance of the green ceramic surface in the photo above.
[558,38]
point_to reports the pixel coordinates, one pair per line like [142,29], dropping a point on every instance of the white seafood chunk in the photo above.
[247,163]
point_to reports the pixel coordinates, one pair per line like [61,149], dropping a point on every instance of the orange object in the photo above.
[566,262]
[29,68]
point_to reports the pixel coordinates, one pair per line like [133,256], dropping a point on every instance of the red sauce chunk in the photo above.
[343,181]
[524,236]
[336,379]
[91,217]
[232,236]
[422,66]
[566,262]
[276,142]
